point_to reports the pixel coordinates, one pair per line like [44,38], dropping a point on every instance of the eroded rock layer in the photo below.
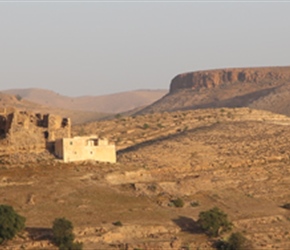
[211,78]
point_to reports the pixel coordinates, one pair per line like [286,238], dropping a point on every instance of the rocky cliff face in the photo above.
[212,78]
[266,88]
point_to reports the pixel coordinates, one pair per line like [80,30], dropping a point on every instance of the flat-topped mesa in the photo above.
[212,78]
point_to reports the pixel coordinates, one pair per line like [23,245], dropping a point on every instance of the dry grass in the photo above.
[238,162]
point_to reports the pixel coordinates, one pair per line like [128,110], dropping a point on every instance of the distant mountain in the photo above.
[266,88]
[113,103]
[77,117]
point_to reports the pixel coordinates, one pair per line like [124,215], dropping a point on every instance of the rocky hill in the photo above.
[77,117]
[259,88]
[236,159]
[113,103]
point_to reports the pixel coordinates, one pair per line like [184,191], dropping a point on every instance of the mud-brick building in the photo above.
[85,148]
[28,131]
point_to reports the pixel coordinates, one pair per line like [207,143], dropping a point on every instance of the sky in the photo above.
[78,48]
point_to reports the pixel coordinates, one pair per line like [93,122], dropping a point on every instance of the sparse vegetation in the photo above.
[152,169]
[286,206]
[214,222]
[236,241]
[178,202]
[145,126]
[194,203]
[118,223]
[63,236]
[18,97]
[159,125]
[10,223]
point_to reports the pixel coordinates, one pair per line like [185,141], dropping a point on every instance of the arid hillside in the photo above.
[113,103]
[77,117]
[257,88]
[236,159]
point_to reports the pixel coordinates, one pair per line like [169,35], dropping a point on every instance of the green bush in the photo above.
[10,223]
[63,236]
[178,202]
[194,203]
[145,125]
[286,206]
[236,241]
[214,222]
[18,97]
[118,223]
[159,125]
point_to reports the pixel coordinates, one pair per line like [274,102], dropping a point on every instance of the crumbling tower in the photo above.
[27,131]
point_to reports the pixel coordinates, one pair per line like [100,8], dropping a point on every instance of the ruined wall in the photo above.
[27,131]
[213,78]
[58,148]
[58,127]
[6,117]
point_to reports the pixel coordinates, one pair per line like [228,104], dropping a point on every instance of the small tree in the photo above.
[178,202]
[236,241]
[10,223]
[214,222]
[63,236]
[18,97]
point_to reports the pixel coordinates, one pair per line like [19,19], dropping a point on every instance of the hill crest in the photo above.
[213,78]
[266,88]
[112,103]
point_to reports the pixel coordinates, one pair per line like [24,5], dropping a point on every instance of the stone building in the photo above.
[23,131]
[28,131]
[85,148]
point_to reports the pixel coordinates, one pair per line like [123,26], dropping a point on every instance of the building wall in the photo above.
[58,148]
[27,131]
[105,153]
[85,148]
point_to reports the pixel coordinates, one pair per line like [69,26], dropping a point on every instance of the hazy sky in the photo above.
[95,48]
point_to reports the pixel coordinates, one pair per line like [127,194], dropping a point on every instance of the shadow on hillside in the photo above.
[164,138]
[187,225]
[237,101]
[39,233]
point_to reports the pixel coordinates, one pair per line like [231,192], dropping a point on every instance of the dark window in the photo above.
[46,134]
[2,133]
[64,122]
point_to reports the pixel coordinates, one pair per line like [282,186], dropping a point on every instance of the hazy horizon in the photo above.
[97,48]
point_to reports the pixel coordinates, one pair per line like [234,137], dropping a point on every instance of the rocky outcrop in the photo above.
[212,78]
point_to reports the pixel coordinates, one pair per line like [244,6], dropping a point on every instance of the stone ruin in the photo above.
[30,132]
[23,131]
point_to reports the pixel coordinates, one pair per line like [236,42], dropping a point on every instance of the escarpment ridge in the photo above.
[212,78]
[266,88]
